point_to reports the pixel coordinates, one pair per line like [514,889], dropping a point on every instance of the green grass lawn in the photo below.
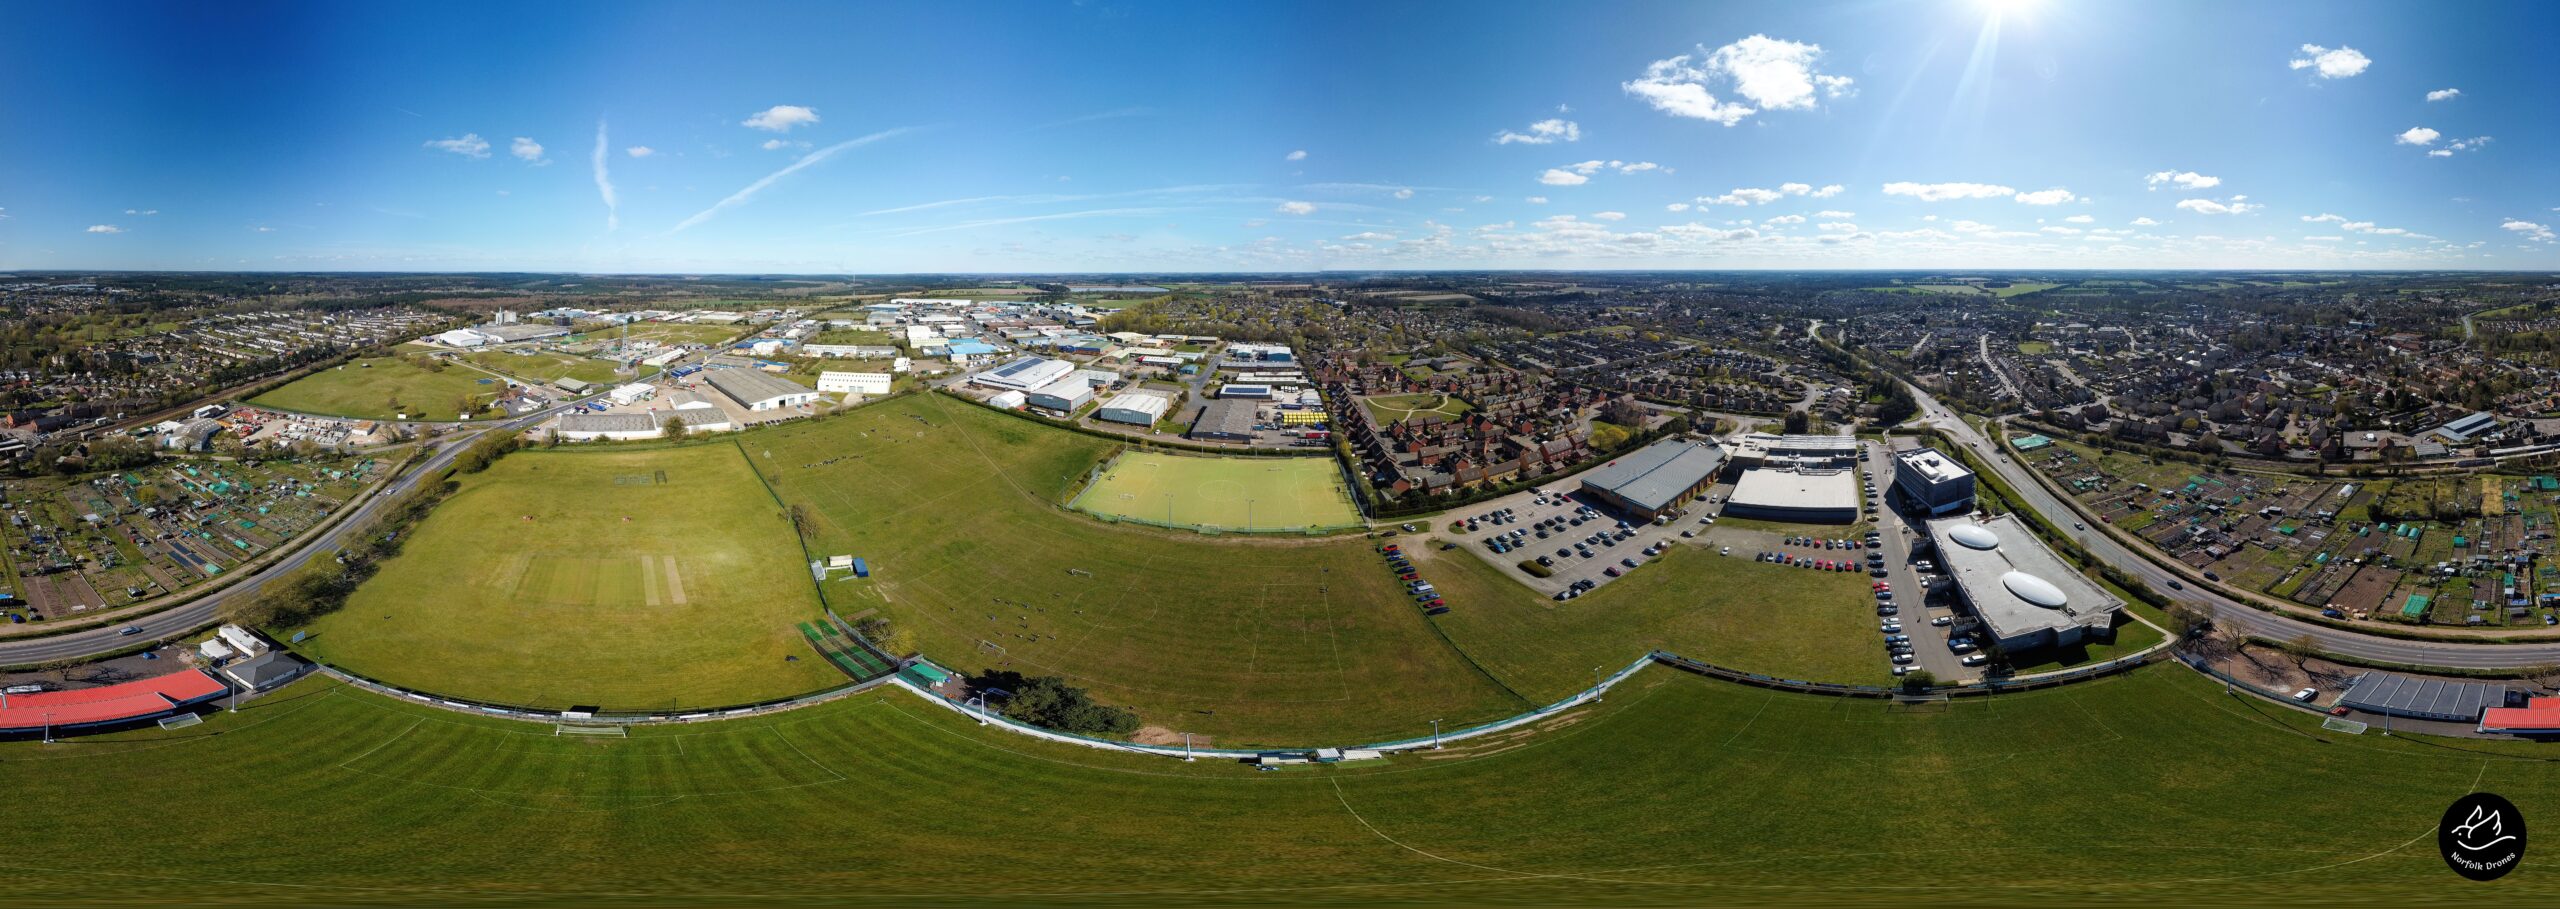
[619,591]
[1390,408]
[2154,788]
[2035,348]
[383,388]
[667,333]
[958,512]
[1727,610]
[546,367]
[1263,493]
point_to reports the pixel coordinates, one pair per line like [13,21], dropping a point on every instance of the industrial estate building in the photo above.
[1656,478]
[1762,450]
[759,390]
[1024,375]
[1796,495]
[1136,408]
[868,383]
[2392,694]
[2025,595]
[1933,481]
[1225,420]
[1063,396]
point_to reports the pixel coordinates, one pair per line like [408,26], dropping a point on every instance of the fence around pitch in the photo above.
[613,717]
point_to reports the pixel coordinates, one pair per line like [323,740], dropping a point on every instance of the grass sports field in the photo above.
[627,580]
[666,333]
[2152,789]
[382,389]
[1726,610]
[1246,639]
[538,366]
[1249,493]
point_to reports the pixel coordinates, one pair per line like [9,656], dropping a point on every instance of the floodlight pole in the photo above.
[1595,683]
[1435,735]
[1186,747]
[982,708]
[48,727]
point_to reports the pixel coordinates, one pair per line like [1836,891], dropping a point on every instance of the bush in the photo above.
[1536,570]
[1050,703]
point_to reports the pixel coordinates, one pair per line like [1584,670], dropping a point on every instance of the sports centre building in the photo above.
[2025,595]
[1933,481]
[1657,478]
[1798,495]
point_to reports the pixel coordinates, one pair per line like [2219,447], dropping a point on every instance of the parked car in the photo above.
[2307,695]
[1902,658]
[1943,621]
[1976,660]
[1612,571]
[130,629]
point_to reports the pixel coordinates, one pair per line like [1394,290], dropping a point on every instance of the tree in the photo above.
[1797,423]
[674,429]
[1049,702]
[2300,648]
[1919,680]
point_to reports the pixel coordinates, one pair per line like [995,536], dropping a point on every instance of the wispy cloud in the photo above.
[528,151]
[781,117]
[741,196]
[105,229]
[604,179]
[1120,114]
[468,145]
[640,151]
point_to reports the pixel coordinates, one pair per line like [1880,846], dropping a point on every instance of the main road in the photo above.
[2226,612]
[183,619]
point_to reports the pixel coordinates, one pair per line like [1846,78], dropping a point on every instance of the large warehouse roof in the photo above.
[608,422]
[1225,417]
[1657,474]
[1025,374]
[1138,402]
[1789,490]
[750,386]
[2017,584]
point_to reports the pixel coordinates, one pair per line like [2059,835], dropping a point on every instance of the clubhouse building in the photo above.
[1657,478]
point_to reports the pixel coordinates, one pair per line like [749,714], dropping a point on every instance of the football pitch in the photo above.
[1225,493]
[2153,788]
[625,580]
[384,388]
[960,513]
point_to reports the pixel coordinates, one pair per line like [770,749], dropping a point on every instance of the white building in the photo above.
[464,337]
[1933,481]
[868,383]
[759,390]
[1064,395]
[1024,374]
[618,427]
[1007,400]
[1136,408]
[633,393]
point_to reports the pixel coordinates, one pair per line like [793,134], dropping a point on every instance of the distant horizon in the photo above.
[887,138]
[1950,271]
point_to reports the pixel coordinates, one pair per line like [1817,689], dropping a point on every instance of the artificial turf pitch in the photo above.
[1228,493]
[2154,788]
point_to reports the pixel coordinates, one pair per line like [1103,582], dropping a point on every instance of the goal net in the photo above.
[2342,724]
[1919,702]
[181,721]
[608,731]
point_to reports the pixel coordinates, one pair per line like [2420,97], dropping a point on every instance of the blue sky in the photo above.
[1111,136]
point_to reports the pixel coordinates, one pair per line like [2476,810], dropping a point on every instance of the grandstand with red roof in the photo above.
[126,702]
[2538,716]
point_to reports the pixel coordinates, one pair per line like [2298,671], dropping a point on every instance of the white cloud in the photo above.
[2444,94]
[1637,167]
[2238,205]
[1837,227]
[2060,231]
[781,118]
[1829,191]
[2439,153]
[1540,133]
[1940,192]
[1537,200]
[2080,219]
[2147,222]
[1297,208]
[144,212]
[1744,195]
[604,181]
[1676,206]
[1971,227]
[263,229]
[2418,135]
[1557,176]
[527,150]
[2332,64]
[2186,180]
[740,197]
[780,144]
[1772,73]
[468,145]
[1299,155]
[2054,196]
[1836,215]
[640,151]
[1404,193]
[1787,219]
[1609,216]
[105,229]
[2535,232]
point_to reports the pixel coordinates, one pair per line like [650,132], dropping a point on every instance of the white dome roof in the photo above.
[1975,536]
[2033,589]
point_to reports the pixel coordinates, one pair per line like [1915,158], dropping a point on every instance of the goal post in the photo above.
[606,730]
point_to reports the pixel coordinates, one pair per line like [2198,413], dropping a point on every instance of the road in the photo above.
[180,620]
[2227,612]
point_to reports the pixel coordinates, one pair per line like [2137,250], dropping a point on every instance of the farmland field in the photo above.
[384,388]
[2153,788]
[1222,492]
[546,367]
[625,580]
[958,511]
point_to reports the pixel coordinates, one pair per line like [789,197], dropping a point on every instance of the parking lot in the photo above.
[1584,555]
